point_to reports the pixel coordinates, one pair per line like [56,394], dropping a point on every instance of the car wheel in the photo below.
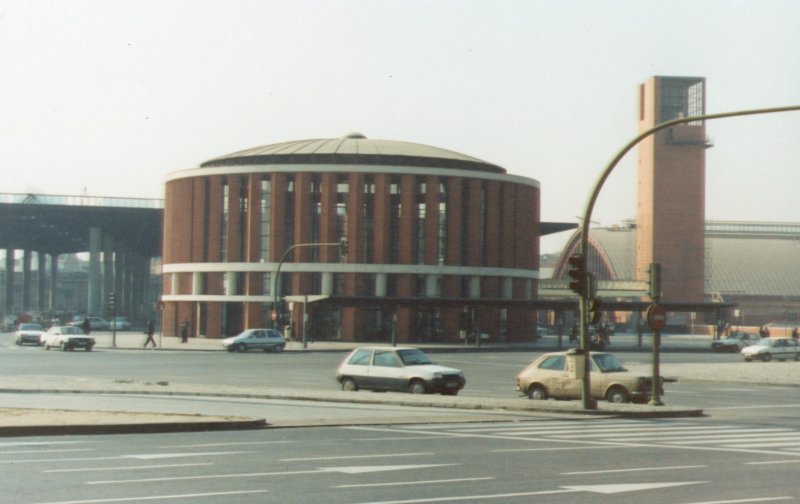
[349,385]
[797,357]
[537,393]
[46,346]
[766,357]
[748,359]
[417,387]
[277,348]
[617,395]
[241,347]
[63,347]
[88,348]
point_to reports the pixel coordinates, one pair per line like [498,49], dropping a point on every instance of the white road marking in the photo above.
[344,457]
[172,447]
[401,483]
[124,468]
[144,456]
[66,450]
[756,499]
[158,497]
[344,470]
[637,469]
[601,489]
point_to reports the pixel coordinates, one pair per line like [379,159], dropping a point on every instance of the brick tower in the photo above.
[670,211]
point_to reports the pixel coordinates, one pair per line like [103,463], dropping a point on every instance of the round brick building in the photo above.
[353,239]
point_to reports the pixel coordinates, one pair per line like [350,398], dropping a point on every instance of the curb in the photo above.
[130,428]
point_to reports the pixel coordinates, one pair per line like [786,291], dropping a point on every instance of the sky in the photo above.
[106,98]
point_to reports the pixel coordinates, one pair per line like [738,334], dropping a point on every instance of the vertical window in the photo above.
[394,220]
[224,224]
[266,215]
[316,214]
[243,209]
[421,211]
[482,226]
[288,222]
[342,189]
[369,220]
[442,245]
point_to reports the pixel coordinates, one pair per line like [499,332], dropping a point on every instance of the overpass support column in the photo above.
[10,281]
[52,302]
[94,301]
[26,281]
[41,291]
[108,272]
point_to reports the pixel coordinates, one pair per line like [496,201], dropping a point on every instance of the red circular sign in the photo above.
[656,317]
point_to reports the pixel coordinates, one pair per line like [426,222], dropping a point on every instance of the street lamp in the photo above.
[588,403]
[342,244]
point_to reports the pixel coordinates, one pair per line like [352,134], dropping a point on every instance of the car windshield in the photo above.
[413,357]
[608,363]
[30,327]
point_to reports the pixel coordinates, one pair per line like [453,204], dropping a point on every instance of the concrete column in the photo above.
[197,283]
[475,287]
[230,283]
[174,285]
[95,289]
[121,294]
[327,284]
[381,281]
[508,288]
[41,291]
[10,281]
[26,281]
[108,275]
[52,302]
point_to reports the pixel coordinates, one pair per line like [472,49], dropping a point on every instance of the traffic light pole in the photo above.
[588,403]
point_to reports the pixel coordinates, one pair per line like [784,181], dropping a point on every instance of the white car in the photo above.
[768,348]
[401,369]
[28,333]
[95,323]
[67,338]
[117,323]
[268,340]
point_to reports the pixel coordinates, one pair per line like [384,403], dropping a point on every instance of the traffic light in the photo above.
[655,281]
[111,302]
[343,249]
[577,274]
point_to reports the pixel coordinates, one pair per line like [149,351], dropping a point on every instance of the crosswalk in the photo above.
[688,434]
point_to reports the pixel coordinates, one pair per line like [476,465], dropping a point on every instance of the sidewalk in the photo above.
[132,340]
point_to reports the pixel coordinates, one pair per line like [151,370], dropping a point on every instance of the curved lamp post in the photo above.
[586,395]
[342,244]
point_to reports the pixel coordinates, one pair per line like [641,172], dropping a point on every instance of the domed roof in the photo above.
[356,149]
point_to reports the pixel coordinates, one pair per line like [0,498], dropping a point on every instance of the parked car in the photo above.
[768,348]
[28,333]
[67,338]
[118,323]
[559,375]
[734,343]
[402,369]
[269,340]
[95,323]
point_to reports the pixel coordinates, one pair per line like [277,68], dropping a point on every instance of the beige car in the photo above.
[559,375]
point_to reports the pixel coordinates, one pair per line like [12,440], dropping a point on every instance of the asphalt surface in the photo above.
[30,421]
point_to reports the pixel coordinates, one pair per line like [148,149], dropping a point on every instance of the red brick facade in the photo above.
[392,216]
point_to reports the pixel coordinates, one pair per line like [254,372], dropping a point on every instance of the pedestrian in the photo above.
[185,331]
[149,331]
[86,326]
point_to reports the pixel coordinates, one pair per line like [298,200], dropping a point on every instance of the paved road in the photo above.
[563,460]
